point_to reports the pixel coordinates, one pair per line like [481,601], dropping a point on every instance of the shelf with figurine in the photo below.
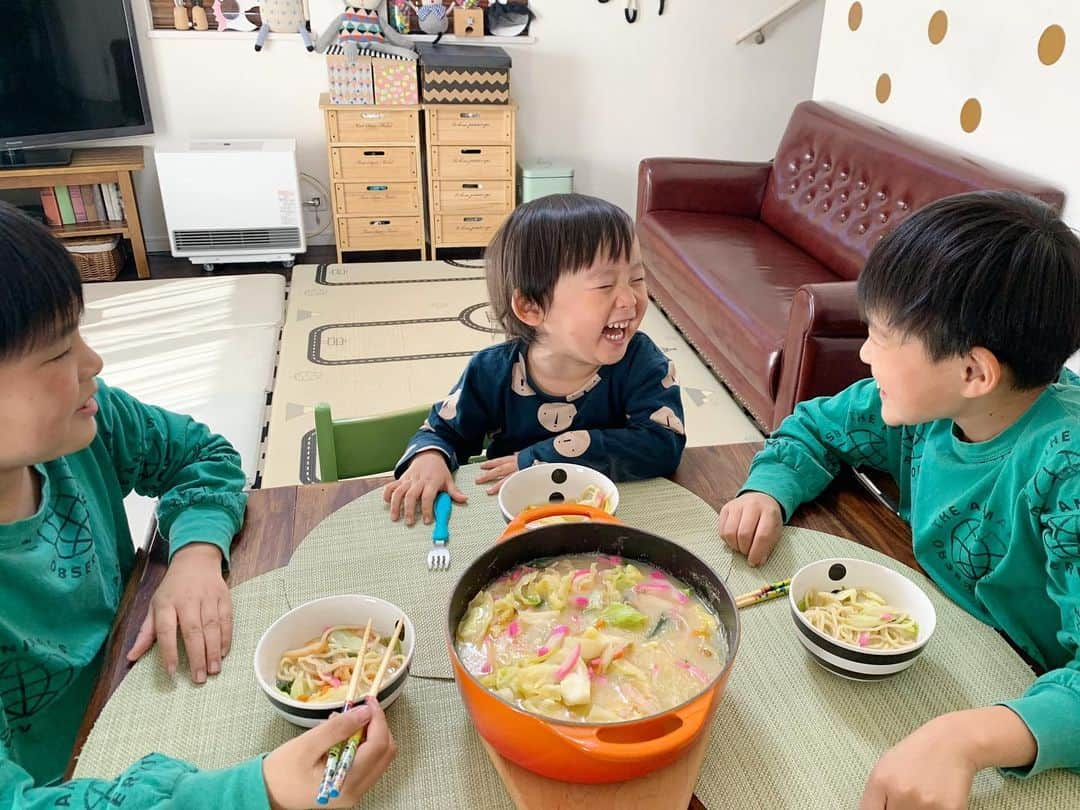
[473,22]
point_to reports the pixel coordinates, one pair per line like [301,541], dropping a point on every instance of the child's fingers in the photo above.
[744,534]
[211,627]
[225,619]
[373,755]
[727,523]
[398,496]
[194,641]
[145,640]
[409,503]
[456,494]
[768,529]
[165,631]
[427,502]
[388,491]
[337,728]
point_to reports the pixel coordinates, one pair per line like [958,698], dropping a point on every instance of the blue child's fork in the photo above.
[438,559]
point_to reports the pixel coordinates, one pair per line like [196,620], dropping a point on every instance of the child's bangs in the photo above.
[40,292]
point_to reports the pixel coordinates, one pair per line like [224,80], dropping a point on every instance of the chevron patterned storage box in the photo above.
[461,74]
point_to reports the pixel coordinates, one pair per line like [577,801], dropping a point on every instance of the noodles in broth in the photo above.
[319,672]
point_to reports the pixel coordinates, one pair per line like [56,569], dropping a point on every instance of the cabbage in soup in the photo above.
[591,638]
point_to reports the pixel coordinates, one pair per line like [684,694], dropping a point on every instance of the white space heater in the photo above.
[232,201]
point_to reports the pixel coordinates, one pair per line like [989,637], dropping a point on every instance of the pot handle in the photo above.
[518,524]
[639,741]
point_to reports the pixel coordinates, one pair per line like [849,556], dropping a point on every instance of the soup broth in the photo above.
[591,638]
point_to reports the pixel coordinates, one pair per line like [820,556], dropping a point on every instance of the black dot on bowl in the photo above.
[556,497]
[837,572]
[558,475]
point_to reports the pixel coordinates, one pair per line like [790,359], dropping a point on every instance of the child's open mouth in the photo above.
[616,331]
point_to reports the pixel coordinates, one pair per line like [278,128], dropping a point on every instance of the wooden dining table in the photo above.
[279,518]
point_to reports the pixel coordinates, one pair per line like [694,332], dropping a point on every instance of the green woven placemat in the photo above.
[793,735]
[440,760]
[358,550]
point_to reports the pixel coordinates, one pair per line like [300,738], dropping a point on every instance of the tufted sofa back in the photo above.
[841,181]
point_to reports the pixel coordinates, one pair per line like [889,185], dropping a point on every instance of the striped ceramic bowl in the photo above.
[849,660]
[308,621]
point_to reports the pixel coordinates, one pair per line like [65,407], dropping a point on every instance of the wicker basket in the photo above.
[97,258]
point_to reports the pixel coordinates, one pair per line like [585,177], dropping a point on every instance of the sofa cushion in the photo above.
[841,181]
[735,277]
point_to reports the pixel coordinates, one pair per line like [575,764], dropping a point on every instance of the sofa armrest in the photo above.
[701,186]
[821,350]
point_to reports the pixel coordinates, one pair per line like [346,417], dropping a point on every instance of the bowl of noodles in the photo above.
[548,483]
[858,619]
[304,661]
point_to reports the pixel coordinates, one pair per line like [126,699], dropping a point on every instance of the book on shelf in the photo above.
[48,203]
[87,192]
[99,201]
[112,201]
[63,200]
[77,204]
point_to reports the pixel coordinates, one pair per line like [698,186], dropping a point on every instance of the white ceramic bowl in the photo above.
[308,621]
[850,660]
[544,484]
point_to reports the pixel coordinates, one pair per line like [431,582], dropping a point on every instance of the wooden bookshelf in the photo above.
[109,164]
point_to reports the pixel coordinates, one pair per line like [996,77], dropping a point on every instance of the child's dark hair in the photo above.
[996,269]
[544,239]
[40,292]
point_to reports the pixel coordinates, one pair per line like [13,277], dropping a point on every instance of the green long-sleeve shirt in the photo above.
[62,572]
[996,524]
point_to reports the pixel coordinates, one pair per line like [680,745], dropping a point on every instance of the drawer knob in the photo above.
[471,151]
[474,219]
[371,115]
[469,115]
[374,153]
[378,188]
[471,185]
[379,222]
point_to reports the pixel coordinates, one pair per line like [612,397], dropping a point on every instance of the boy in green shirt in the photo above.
[973,307]
[71,449]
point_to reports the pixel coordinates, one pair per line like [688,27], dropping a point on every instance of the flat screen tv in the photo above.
[69,71]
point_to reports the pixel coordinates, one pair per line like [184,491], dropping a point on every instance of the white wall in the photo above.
[593,91]
[990,52]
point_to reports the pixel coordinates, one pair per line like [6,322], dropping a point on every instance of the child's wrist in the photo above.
[199,551]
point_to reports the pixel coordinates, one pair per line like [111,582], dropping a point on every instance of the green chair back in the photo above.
[350,448]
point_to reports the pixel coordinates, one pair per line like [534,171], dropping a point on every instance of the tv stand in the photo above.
[22,158]
[108,164]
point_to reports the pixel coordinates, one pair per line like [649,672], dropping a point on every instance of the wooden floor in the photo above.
[164,265]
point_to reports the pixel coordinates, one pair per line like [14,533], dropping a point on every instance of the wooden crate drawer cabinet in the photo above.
[372,126]
[376,165]
[380,233]
[491,125]
[470,152]
[467,230]
[471,195]
[378,197]
[467,162]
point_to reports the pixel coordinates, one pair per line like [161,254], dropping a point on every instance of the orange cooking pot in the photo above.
[578,751]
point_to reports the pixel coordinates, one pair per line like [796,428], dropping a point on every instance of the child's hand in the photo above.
[497,470]
[751,524]
[426,477]
[194,595]
[293,771]
[934,766]
[930,768]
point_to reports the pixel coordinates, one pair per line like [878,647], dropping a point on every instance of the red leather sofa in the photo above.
[756,263]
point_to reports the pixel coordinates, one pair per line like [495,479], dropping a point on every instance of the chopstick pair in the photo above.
[773,590]
[339,761]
